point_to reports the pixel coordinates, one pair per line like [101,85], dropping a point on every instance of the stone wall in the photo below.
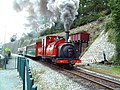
[95,51]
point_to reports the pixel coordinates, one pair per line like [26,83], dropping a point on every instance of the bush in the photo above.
[115,25]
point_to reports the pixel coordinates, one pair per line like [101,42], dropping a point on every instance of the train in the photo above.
[57,49]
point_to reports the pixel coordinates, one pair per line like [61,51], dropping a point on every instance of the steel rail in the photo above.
[98,83]
[101,78]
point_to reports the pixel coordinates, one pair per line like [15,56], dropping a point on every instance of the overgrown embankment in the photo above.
[94,28]
[96,45]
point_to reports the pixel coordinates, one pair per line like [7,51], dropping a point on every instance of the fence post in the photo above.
[15,62]
[28,79]
[27,62]
[34,87]
[28,74]
[18,64]
[31,83]
[24,74]
[4,63]
[22,70]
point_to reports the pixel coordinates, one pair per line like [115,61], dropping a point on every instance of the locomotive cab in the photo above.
[49,45]
[52,48]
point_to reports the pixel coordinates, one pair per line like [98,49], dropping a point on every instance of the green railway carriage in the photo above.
[22,51]
[31,50]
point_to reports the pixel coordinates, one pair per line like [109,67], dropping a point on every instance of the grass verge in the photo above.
[113,71]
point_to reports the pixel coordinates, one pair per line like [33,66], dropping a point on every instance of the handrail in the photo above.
[25,73]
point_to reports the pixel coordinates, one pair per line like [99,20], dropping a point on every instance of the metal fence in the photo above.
[25,73]
[3,62]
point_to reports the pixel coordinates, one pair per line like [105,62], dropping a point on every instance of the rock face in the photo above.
[95,51]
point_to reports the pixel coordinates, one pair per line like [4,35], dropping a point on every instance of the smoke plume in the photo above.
[65,10]
[52,10]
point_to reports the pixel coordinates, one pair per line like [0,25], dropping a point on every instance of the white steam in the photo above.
[52,10]
[65,10]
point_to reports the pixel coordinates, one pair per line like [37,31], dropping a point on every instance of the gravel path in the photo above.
[9,78]
[48,79]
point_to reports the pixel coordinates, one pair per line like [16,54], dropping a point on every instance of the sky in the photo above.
[11,22]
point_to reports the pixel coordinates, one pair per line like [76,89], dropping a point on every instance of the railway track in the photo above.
[99,80]
[103,82]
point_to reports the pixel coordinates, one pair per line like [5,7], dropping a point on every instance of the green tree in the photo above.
[91,10]
[13,38]
[115,11]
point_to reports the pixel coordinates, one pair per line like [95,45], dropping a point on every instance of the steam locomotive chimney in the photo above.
[67,36]
[67,28]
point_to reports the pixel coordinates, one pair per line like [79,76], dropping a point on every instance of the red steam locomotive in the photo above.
[58,50]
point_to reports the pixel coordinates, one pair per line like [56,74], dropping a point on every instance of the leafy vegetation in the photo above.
[91,10]
[109,70]
[7,51]
[13,38]
[113,27]
[36,74]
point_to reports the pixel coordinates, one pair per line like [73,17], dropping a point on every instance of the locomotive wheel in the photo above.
[48,60]
[66,66]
